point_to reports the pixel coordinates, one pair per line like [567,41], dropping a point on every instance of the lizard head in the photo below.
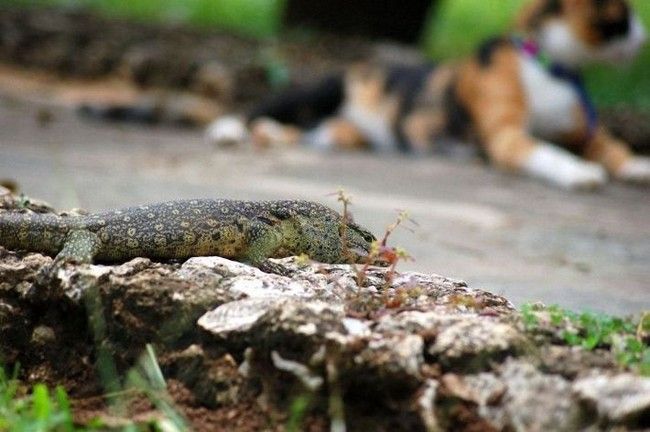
[322,233]
[357,242]
[329,239]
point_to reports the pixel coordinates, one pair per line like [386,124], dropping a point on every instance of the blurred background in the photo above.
[442,29]
[507,234]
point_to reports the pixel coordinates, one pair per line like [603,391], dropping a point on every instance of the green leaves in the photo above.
[626,338]
[39,411]
[43,410]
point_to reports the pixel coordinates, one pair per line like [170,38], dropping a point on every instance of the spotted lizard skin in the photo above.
[249,231]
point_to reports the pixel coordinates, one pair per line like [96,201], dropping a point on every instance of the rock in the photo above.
[237,316]
[43,335]
[214,381]
[571,361]
[19,270]
[473,343]
[622,398]
[404,351]
[534,401]
[483,389]
[518,397]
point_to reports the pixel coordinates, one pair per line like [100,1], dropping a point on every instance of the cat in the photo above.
[520,97]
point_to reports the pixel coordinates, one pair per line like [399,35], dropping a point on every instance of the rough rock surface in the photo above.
[407,351]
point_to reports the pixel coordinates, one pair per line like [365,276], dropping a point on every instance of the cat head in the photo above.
[578,32]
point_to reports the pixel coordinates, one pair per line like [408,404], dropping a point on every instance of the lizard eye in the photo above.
[366,235]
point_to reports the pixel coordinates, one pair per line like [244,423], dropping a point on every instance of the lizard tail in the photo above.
[33,232]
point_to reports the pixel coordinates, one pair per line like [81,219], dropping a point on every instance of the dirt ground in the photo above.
[506,234]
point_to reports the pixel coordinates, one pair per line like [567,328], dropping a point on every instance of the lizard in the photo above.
[247,231]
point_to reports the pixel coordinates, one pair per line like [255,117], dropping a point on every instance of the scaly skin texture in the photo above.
[249,231]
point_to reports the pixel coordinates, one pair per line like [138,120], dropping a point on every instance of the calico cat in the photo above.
[520,97]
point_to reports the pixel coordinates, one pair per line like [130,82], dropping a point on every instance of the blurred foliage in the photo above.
[459,25]
[455,29]
[259,18]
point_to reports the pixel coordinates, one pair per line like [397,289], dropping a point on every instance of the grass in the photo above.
[627,339]
[40,410]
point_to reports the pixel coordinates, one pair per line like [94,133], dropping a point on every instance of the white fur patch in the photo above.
[563,169]
[635,170]
[321,137]
[226,130]
[374,127]
[551,102]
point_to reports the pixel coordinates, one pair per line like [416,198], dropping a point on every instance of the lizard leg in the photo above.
[80,246]
[264,240]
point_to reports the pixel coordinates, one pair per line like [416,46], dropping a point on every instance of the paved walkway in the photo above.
[503,233]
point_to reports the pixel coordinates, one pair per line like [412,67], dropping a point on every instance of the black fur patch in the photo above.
[612,27]
[548,8]
[304,107]
[408,81]
[488,48]
[458,117]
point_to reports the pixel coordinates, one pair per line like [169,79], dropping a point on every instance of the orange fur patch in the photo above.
[607,150]
[346,136]
[496,102]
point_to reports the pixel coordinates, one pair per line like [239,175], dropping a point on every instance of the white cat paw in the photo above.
[267,132]
[564,169]
[636,170]
[583,175]
[226,131]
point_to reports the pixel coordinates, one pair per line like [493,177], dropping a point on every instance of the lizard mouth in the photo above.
[358,254]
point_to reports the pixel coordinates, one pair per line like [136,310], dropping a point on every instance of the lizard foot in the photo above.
[268,266]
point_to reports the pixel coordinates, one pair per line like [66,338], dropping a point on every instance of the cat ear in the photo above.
[576,6]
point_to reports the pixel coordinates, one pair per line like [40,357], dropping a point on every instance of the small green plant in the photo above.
[297,412]
[146,377]
[346,200]
[379,251]
[37,411]
[626,338]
